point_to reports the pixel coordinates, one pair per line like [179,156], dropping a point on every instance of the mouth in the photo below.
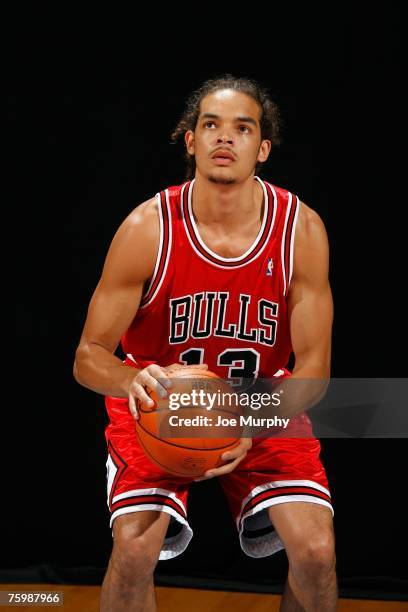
[223,158]
[223,161]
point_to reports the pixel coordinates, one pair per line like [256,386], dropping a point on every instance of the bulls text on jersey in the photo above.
[204,314]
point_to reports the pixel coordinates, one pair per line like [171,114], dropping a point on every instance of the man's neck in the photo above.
[226,205]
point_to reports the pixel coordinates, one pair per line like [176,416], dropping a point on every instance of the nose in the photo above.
[224,138]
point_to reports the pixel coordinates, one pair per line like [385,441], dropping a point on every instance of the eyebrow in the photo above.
[243,119]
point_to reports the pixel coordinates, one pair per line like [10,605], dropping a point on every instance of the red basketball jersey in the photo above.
[199,307]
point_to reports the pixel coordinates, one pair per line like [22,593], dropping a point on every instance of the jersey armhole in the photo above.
[163,252]
[288,240]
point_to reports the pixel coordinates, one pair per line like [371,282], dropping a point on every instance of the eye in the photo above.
[208,123]
[245,127]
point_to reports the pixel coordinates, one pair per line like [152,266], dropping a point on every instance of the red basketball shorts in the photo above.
[274,471]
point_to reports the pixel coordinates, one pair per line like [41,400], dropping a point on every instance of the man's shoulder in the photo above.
[280,191]
[151,206]
[283,194]
[174,190]
[307,216]
[142,222]
[309,222]
[147,208]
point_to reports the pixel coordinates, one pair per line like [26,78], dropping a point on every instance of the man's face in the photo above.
[228,124]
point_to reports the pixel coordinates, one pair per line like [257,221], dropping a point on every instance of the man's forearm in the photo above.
[304,389]
[97,369]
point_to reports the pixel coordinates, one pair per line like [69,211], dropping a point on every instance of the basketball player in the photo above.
[228,271]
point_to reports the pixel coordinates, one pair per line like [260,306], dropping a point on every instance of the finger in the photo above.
[159,374]
[147,380]
[236,452]
[138,392]
[133,408]
[205,477]
[175,367]
[224,469]
[232,454]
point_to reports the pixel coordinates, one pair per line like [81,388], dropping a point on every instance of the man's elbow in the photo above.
[75,370]
[324,370]
[313,366]
[78,366]
[320,360]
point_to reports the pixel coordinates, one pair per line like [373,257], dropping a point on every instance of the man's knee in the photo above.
[132,559]
[314,558]
[136,547]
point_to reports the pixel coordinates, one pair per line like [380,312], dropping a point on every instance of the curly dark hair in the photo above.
[270,119]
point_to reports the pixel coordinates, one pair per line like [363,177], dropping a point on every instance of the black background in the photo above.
[92,136]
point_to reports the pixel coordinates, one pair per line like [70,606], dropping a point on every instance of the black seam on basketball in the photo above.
[153,409]
[207,412]
[188,447]
[166,469]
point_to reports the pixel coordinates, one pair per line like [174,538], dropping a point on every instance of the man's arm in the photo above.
[310,302]
[310,311]
[129,264]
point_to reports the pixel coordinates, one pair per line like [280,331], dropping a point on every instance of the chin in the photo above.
[220,179]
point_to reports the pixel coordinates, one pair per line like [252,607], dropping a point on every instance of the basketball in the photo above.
[189,439]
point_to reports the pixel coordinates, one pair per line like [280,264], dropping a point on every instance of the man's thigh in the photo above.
[300,523]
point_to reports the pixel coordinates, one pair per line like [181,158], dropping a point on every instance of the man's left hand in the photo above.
[234,456]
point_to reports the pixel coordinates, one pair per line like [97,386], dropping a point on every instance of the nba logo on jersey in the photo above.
[270,267]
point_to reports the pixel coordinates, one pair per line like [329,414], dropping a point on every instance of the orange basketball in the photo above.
[189,440]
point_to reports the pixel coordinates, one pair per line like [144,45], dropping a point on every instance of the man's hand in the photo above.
[154,378]
[237,455]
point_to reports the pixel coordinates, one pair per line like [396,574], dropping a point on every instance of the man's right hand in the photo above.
[153,378]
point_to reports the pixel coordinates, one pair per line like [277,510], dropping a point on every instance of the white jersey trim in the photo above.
[253,246]
[143,492]
[276,484]
[292,241]
[257,517]
[171,547]
[283,242]
[160,251]
[287,278]
[270,543]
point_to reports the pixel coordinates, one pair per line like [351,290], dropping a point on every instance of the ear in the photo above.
[264,150]
[189,140]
